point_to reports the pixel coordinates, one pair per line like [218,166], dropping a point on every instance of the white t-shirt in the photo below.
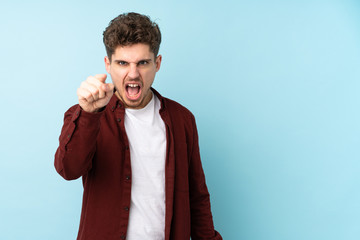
[147,138]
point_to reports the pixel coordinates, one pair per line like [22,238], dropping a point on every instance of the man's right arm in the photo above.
[77,142]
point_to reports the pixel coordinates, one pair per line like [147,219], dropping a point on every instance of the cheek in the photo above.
[149,77]
[117,76]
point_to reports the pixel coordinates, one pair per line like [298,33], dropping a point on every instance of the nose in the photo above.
[133,71]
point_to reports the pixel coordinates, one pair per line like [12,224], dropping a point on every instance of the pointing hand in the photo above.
[94,93]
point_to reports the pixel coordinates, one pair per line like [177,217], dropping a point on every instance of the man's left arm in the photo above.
[202,226]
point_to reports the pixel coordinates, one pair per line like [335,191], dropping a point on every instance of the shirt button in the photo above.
[126,208]
[119,119]
[77,113]
[122,237]
[127,147]
[112,108]
[119,105]
[127,177]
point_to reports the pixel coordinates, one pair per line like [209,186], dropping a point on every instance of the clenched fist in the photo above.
[94,93]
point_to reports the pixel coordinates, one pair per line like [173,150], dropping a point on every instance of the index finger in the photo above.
[101,77]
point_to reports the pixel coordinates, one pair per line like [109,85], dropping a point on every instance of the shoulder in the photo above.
[176,109]
[177,113]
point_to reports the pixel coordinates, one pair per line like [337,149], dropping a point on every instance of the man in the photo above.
[136,151]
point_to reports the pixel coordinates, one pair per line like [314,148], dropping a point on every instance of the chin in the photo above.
[131,104]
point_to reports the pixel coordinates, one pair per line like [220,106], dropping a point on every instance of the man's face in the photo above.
[132,69]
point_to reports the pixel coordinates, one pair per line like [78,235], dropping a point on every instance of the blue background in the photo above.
[274,86]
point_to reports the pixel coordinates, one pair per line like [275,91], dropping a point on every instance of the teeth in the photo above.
[133,85]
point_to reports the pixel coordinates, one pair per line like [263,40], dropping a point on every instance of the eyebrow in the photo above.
[119,60]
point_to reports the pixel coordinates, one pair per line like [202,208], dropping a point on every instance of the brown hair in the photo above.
[130,28]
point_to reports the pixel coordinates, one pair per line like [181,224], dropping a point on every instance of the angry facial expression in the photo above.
[133,69]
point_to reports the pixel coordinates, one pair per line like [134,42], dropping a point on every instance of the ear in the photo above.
[158,62]
[107,64]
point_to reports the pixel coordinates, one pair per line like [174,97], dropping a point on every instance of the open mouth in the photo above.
[133,91]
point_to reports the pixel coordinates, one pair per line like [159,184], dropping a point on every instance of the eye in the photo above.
[122,63]
[143,62]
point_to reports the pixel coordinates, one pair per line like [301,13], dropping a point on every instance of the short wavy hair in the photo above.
[131,28]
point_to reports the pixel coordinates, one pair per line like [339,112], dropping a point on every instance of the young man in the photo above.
[136,151]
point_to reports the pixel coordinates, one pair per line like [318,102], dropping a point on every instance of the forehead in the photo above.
[133,53]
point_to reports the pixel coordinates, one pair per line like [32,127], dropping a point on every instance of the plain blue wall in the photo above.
[274,86]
